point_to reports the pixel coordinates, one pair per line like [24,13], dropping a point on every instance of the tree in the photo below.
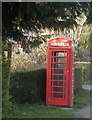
[36,15]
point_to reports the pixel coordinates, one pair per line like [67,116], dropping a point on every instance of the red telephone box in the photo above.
[60,72]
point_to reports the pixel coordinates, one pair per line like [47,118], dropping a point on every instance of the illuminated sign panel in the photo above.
[59,44]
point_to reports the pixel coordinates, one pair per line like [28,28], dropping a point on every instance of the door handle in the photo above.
[68,71]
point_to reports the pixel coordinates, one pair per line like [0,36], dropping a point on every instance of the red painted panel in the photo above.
[59,82]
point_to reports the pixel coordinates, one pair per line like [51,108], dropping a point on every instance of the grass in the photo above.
[40,111]
[81,99]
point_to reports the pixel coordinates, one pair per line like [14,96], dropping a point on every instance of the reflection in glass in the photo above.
[58,95]
[62,54]
[59,83]
[59,77]
[58,89]
[58,65]
[58,71]
[59,59]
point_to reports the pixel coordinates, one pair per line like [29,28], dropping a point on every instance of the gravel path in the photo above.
[84,112]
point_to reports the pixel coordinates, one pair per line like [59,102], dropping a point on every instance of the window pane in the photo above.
[60,77]
[62,54]
[58,65]
[58,83]
[59,59]
[58,71]
[58,95]
[58,89]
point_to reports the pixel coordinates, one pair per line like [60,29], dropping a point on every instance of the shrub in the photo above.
[7,105]
[86,67]
[78,80]
[91,73]
[31,86]
[28,86]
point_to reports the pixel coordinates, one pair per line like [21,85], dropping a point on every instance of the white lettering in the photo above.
[59,44]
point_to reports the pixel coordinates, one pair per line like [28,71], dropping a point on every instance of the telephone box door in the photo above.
[57,84]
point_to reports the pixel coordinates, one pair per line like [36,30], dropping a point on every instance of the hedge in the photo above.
[31,86]
[6,103]
[28,86]
[78,80]
[86,69]
[91,73]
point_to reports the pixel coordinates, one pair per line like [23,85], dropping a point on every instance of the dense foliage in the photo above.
[7,105]
[28,86]
[36,15]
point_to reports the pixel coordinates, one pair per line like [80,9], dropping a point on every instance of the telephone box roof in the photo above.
[65,38]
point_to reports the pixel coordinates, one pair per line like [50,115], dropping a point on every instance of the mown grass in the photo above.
[40,111]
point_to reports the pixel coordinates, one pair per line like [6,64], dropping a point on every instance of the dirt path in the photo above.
[84,112]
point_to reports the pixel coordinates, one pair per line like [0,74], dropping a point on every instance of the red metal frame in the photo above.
[59,86]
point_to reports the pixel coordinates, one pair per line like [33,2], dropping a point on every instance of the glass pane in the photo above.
[58,83]
[64,95]
[60,77]
[58,71]
[64,77]
[62,54]
[59,59]
[64,89]
[51,83]
[58,95]
[58,65]
[58,89]
[64,83]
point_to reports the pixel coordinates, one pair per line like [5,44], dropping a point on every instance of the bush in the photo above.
[28,86]
[78,80]
[86,67]
[91,73]
[7,105]
[31,86]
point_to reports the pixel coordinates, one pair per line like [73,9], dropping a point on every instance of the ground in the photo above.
[84,112]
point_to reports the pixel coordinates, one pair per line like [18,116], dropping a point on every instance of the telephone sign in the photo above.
[59,44]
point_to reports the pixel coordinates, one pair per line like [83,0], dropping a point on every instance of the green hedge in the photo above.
[78,80]
[30,86]
[86,68]
[91,73]
[6,103]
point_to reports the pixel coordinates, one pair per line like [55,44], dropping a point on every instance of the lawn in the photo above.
[41,111]
[81,99]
